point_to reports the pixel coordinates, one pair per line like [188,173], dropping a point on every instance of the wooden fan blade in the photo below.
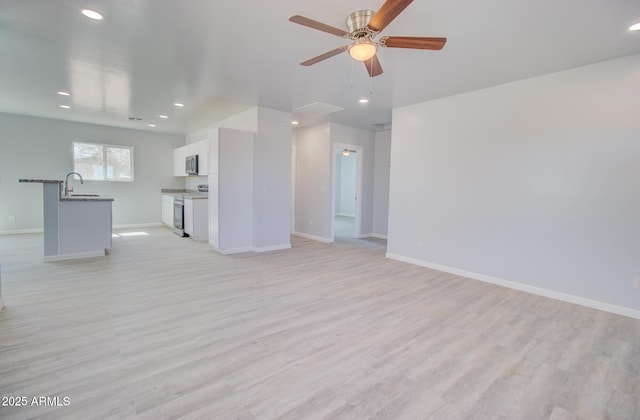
[417,42]
[373,66]
[301,20]
[324,56]
[389,10]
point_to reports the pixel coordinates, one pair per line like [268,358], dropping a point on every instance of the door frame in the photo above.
[359,163]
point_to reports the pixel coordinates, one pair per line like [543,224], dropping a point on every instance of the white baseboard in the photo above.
[594,304]
[233,250]
[64,257]
[379,236]
[21,231]
[372,235]
[313,237]
[271,248]
[138,226]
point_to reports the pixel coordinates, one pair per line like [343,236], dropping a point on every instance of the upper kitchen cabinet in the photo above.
[200,149]
[179,156]
[203,157]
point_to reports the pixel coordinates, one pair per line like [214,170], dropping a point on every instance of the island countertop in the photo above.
[78,197]
[42,181]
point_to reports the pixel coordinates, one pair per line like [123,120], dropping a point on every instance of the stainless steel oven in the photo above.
[178,215]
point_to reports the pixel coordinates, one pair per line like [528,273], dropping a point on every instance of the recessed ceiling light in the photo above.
[152,125]
[163,117]
[178,104]
[294,123]
[91,14]
[63,93]
[65,106]
[363,100]
[635,27]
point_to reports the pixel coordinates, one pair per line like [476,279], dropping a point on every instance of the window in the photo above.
[103,162]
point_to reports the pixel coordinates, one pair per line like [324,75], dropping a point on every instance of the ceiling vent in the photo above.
[316,109]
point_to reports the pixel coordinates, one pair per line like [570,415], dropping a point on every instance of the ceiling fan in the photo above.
[364,26]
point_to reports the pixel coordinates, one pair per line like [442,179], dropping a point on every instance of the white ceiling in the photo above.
[219,58]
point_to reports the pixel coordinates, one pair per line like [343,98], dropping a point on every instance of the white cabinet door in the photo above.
[203,157]
[188,216]
[179,156]
[167,210]
[213,210]
[214,141]
[199,214]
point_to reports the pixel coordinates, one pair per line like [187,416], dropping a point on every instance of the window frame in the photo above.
[104,147]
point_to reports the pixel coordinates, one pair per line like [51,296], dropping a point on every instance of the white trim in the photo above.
[594,304]
[378,235]
[313,237]
[64,257]
[21,231]
[138,225]
[233,250]
[346,215]
[271,248]
[372,235]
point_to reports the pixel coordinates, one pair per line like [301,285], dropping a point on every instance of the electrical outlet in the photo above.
[636,282]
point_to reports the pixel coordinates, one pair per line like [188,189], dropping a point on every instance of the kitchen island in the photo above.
[74,226]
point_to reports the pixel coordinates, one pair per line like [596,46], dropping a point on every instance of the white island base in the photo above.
[74,227]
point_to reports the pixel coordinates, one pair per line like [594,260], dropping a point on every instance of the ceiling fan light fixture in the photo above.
[363,50]
[91,14]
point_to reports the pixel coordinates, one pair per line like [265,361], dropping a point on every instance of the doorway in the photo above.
[347,191]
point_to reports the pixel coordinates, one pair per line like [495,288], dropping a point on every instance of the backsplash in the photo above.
[192,182]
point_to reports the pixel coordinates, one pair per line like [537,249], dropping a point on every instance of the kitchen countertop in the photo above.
[191,194]
[70,198]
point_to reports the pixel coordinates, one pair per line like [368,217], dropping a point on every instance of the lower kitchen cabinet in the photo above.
[167,210]
[196,215]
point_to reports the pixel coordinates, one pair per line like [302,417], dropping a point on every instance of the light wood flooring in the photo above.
[166,328]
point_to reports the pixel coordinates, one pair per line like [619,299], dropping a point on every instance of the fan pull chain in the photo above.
[351,80]
[370,85]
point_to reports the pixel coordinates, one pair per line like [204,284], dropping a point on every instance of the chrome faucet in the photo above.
[68,189]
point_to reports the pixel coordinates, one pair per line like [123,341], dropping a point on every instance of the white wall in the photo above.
[272,172]
[365,139]
[534,182]
[314,177]
[272,179]
[313,181]
[42,148]
[382,160]
[247,121]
